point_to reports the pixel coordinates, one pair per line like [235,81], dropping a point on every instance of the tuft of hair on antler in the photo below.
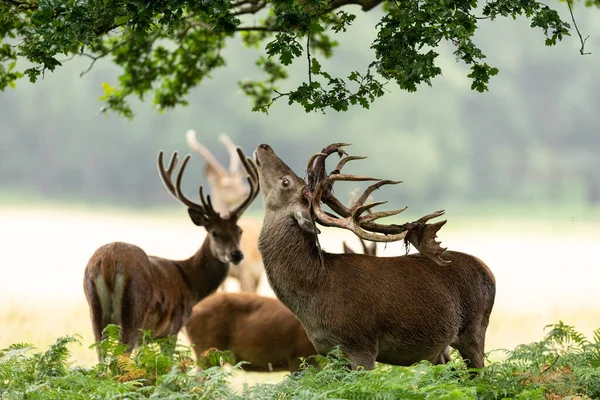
[320,190]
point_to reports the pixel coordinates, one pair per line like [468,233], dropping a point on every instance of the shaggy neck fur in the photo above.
[291,259]
[203,272]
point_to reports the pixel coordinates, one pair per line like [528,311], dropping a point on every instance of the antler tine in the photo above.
[166,175]
[344,160]
[316,163]
[234,162]
[381,214]
[206,203]
[178,190]
[252,181]
[372,188]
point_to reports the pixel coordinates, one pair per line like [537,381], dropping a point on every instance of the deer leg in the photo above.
[95,313]
[363,356]
[471,348]
[443,357]
[132,317]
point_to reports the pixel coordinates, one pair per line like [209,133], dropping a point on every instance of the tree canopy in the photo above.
[168,47]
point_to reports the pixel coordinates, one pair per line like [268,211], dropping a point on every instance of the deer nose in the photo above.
[237,256]
[264,146]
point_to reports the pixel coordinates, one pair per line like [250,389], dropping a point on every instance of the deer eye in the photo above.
[214,234]
[285,182]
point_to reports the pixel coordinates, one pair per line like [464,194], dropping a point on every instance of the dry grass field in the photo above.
[545,271]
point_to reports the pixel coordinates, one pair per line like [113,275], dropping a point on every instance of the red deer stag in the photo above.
[257,329]
[395,310]
[125,286]
[229,189]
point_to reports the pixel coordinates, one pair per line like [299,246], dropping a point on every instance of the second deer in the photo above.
[125,286]
[229,188]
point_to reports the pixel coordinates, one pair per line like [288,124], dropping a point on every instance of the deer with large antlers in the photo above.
[395,310]
[229,189]
[125,286]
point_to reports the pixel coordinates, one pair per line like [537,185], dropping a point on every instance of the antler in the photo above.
[234,161]
[418,233]
[252,181]
[193,142]
[175,189]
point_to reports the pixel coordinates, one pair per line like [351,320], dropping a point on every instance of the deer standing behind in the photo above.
[395,310]
[229,188]
[125,286]
[257,329]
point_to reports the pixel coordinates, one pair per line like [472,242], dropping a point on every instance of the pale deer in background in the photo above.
[125,286]
[256,329]
[229,189]
[395,310]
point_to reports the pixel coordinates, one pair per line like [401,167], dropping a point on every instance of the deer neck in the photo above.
[291,260]
[204,272]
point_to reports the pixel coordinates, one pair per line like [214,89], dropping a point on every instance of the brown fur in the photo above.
[395,310]
[250,271]
[257,329]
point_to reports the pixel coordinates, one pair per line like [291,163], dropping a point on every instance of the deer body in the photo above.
[125,286]
[257,329]
[396,310]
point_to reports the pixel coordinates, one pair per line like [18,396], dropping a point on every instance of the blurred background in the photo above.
[517,170]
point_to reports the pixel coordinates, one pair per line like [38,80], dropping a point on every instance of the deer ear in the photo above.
[302,215]
[197,217]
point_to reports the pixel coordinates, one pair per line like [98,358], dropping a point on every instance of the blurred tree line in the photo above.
[532,138]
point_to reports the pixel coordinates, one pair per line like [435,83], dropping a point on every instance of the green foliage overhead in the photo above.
[564,365]
[167,47]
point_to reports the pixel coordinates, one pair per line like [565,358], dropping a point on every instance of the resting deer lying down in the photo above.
[229,189]
[253,328]
[395,310]
[256,329]
[125,286]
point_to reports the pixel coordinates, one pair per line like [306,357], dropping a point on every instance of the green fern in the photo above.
[563,365]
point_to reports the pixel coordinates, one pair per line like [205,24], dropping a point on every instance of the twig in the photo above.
[309,59]
[581,39]
[102,55]
[550,366]
[257,28]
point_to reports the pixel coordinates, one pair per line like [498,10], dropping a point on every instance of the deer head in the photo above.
[223,232]
[283,188]
[228,186]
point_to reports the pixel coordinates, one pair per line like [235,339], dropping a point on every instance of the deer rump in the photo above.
[256,329]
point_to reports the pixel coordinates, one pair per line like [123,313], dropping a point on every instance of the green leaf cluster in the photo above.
[169,47]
